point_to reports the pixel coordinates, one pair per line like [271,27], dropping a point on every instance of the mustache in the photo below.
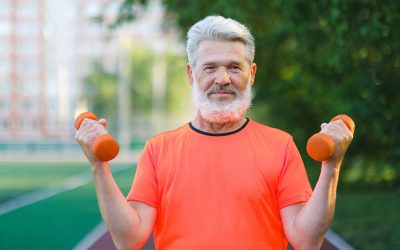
[229,89]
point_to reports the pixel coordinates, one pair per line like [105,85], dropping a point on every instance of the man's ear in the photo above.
[189,72]
[253,73]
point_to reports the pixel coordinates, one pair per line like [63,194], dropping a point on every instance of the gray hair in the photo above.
[218,28]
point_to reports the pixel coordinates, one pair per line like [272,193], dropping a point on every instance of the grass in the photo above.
[19,178]
[369,221]
[59,222]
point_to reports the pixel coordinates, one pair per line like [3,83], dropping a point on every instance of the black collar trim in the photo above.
[221,134]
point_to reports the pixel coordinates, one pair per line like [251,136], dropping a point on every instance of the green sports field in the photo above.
[58,222]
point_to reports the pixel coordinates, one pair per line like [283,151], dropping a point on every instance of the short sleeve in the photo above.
[293,186]
[144,187]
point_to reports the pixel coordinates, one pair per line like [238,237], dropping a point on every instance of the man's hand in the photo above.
[341,137]
[87,133]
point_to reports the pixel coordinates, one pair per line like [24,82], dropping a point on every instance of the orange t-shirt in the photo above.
[220,191]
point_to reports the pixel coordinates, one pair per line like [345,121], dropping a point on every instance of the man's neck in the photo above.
[217,128]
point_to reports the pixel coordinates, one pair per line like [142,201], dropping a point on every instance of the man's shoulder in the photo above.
[170,134]
[269,131]
[270,138]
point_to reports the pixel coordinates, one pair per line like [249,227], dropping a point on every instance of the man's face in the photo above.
[222,80]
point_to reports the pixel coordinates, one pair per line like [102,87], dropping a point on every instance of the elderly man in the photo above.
[222,181]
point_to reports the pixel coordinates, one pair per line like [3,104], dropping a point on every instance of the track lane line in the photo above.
[51,190]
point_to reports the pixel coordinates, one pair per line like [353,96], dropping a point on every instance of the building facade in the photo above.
[45,50]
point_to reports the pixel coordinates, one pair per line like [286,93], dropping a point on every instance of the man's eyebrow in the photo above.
[236,62]
[207,63]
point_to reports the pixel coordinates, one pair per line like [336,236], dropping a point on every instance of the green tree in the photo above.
[140,79]
[318,59]
[100,91]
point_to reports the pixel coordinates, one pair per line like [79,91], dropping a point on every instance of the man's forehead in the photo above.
[220,44]
[213,51]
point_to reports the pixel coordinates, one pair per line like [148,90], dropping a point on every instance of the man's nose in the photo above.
[222,77]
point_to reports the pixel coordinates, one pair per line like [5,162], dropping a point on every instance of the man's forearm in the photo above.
[314,218]
[121,219]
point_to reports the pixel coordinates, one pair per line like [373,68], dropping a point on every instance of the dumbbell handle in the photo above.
[320,147]
[104,146]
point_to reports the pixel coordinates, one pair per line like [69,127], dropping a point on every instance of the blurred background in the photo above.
[125,61]
[58,61]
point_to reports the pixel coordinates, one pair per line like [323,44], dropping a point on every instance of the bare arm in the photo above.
[305,224]
[131,223]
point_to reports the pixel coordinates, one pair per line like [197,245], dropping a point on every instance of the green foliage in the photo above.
[101,85]
[100,90]
[140,80]
[345,58]
[126,13]
[318,59]
[178,90]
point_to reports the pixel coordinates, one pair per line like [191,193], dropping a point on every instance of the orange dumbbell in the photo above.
[104,146]
[321,146]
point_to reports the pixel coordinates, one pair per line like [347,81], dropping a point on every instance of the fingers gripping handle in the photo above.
[104,146]
[347,121]
[83,116]
[321,146]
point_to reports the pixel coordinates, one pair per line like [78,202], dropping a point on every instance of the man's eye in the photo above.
[234,68]
[209,68]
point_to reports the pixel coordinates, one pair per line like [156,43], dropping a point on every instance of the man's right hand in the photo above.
[85,136]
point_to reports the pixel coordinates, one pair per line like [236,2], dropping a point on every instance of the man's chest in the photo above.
[222,173]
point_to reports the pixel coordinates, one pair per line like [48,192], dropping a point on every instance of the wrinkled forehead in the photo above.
[210,51]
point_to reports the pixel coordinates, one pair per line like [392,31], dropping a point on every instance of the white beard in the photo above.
[222,111]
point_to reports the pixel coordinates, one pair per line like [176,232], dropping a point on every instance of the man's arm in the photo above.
[305,224]
[130,224]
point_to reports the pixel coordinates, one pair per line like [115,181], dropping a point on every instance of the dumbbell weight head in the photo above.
[104,146]
[347,121]
[320,146]
[81,117]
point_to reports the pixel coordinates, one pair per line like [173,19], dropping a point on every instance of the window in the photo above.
[5,46]
[27,9]
[26,67]
[51,86]
[29,86]
[28,124]
[29,106]
[5,68]
[5,9]
[27,28]
[4,106]
[4,125]
[28,47]
[5,85]
[52,106]
[5,28]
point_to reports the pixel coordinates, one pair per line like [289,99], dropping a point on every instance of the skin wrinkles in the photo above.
[222,72]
